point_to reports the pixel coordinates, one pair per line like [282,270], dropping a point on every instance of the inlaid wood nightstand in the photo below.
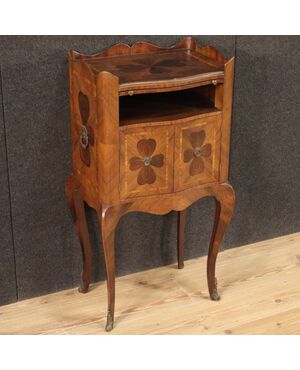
[150,132]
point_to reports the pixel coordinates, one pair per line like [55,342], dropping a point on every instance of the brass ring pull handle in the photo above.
[84,137]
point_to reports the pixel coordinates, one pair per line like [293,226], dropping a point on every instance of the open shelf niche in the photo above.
[167,106]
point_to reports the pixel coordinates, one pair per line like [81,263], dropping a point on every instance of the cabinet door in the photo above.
[146,161]
[197,153]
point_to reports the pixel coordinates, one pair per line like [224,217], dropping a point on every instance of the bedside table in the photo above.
[150,131]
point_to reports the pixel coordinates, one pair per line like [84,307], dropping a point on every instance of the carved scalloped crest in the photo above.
[138,47]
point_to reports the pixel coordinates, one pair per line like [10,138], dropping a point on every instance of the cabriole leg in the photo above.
[108,220]
[76,205]
[225,201]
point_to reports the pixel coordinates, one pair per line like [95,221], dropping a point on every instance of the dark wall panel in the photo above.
[8,291]
[35,83]
[265,155]
[35,96]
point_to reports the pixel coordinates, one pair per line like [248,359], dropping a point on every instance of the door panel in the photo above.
[197,153]
[146,163]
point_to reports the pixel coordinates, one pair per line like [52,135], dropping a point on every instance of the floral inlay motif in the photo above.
[146,161]
[144,65]
[195,155]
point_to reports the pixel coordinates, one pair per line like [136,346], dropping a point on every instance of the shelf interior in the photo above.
[166,106]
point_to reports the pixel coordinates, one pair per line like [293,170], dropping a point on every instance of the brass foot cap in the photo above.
[109,323]
[215,295]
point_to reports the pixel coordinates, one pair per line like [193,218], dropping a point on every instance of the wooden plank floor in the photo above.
[259,285]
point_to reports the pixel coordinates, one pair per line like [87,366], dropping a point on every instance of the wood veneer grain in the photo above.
[156,152]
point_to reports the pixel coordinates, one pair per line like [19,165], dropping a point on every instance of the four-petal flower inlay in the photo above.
[147,65]
[195,154]
[144,163]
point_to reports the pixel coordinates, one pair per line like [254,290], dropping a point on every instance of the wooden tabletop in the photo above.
[164,70]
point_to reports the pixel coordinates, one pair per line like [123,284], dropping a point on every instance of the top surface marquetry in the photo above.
[158,70]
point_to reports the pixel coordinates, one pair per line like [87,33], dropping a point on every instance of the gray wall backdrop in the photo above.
[39,252]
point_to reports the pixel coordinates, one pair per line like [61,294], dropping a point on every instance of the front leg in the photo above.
[225,200]
[108,219]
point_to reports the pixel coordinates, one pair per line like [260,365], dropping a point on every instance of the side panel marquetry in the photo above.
[197,152]
[146,163]
[83,128]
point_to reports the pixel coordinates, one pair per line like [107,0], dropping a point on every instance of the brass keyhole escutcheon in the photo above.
[84,137]
[147,161]
[197,152]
